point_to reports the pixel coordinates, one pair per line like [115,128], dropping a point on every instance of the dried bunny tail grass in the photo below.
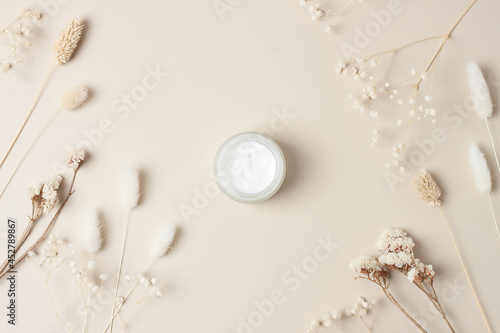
[68,41]
[480,170]
[162,242]
[92,237]
[74,98]
[479,90]
[427,188]
[130,187]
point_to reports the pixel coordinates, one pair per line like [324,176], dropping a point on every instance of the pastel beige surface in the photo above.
[265,65]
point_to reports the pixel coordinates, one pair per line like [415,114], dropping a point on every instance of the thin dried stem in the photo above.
[465,271]
[126,297]
[433,297]
[27,151]
[492,143]
[115,297]
[37,98]
[393,300]
[493,214]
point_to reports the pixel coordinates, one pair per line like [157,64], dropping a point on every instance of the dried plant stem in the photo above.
[29,114]
[46,283]
[368,328]
[493,214]
[87,303]
[492,143]
[433,297]
[23,237]
[115,297]
[47,229]
[465,271]
[393,300]
[27,151]
[115,313]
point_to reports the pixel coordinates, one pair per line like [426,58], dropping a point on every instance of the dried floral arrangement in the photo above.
[359,309]
[396,254]
[44,198]
[413,94]
[15,36]
[64,49]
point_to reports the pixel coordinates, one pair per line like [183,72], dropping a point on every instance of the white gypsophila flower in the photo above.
[479,91]
[479,168]
[49,193]
[75,158]
[130,187]
[92,237]
[163,241]
[336,315]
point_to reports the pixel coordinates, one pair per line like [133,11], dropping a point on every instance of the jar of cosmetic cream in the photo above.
[249,167]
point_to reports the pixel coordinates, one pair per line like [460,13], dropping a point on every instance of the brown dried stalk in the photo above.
[25,233]
[46,231]
[63,51]
[383,282]
[429,192]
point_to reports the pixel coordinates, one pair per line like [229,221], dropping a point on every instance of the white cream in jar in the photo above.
[249,167]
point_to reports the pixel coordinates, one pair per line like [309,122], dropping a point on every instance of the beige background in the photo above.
[227,76]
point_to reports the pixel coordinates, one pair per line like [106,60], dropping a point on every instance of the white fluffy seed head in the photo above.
[92,237]
[130,187]
[480,170]
[479,91]
[162,242]
[74,98]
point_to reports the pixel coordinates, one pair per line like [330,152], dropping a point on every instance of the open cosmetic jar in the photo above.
[249,167]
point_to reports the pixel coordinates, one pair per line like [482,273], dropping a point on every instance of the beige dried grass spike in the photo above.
[68,40]
[427,188]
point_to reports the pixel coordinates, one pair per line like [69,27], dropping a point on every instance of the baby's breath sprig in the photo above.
[15,36]
[414,93]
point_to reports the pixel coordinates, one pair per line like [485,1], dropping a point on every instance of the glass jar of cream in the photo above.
[249,167]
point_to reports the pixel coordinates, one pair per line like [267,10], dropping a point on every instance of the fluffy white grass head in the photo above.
[92,237]
[480,170]
[74,98]
[479,91]
[162,242]
[130,187]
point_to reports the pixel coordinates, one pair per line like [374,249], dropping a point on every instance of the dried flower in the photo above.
[163,241]
[427,188]
[130,187]
[480,170]
[479,90]
[74,98]
[92,237]
[68,41]
[75,158]
[49,193]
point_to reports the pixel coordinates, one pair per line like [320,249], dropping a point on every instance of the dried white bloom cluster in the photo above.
[359,309]
[82,279]
[75,158]
[44,196]
[370,267]
[374,91]
[17,35]
[396,249]
[50,254]
[318,12]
